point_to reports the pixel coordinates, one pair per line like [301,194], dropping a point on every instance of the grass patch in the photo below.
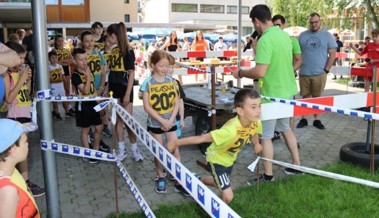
[295,197]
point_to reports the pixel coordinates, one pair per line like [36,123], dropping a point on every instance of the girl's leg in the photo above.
[158,165]
[84,137]
[97,136]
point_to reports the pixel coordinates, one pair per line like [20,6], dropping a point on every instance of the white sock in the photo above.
[121,146]
[134,146]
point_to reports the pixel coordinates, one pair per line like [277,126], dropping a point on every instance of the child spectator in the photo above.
[86,116]
[121,81]
[15,198]
[97,30]
[56,83]
[228,141]
[161,102]
[97,66]
[64,59]
[18,100]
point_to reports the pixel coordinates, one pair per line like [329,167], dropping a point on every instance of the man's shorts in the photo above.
[221,175]
[312,86]
[57,89]
[270,126]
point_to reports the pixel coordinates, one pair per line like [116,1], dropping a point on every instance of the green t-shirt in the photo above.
[275,49]
[295,46]
[229,140]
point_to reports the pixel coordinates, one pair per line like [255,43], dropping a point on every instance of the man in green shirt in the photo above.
[276,74]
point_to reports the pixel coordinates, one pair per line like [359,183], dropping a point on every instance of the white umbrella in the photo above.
[295,30]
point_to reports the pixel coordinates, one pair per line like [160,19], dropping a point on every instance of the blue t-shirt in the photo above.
[314,49]
[2,89]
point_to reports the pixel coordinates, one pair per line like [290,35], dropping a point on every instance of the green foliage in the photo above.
[296,197]
[335,13]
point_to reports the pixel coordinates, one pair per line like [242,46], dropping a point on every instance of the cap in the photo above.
[12,130]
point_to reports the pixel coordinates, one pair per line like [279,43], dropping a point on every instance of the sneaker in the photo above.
[35,189]
[104,147]
[121,155]
[170,177]
[57,116]
[262,178]
[292,172]
[303,122]
[160,185]
[318,124]
[93,161]
[70,113]
[107,132]
[179,188]
[276,136]
[137,155]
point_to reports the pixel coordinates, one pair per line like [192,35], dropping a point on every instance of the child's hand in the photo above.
[171,146]
[167,125]
[26,74]
[182,124]
[258,148]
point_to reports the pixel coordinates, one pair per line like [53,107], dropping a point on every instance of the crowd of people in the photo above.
[102,63]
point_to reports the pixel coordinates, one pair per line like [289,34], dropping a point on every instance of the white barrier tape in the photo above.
[101,106]
[136,193]
[72,98]
[353,113]
[210,202]
[209,54]
[320,173]
[42,94]
[76,151]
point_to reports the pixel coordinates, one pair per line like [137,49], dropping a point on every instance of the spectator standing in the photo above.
[220,45]
[121,80]
[274,69]
[199,44]
[372,51]
[338,49]
[319,53]
[97,30]
[15,197]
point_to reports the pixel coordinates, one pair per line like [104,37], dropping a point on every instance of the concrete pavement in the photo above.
[87,190]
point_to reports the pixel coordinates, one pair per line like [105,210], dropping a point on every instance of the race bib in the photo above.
[116,61]
[93,63]
[162,97]
[56,75]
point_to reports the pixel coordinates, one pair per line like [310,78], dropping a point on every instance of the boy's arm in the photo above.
[255,142]
[192,140]
[85,88]
[10,95]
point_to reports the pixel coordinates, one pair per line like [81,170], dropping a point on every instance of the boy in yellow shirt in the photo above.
[229,140]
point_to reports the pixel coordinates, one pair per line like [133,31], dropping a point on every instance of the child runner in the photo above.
[86,116]
[121,80]
[161,102]
[97,66]
[64,59]
[15,198]
[228,141]
[56,74]
[18,100]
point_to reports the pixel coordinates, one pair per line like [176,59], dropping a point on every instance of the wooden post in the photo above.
[372,153]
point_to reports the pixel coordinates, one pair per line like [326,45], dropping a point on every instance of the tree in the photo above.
[338,13]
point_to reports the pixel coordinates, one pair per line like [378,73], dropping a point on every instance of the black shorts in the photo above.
[119,91]
[159,130]
[21,119]
[86,116]
[221,175]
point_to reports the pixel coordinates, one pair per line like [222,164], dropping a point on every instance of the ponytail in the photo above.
[122,39]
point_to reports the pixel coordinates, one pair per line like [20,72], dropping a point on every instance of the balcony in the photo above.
[15,11]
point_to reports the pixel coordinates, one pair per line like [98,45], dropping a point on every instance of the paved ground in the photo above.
[87,190]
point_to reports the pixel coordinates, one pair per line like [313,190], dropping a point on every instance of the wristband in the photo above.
[239,73]
[326,71]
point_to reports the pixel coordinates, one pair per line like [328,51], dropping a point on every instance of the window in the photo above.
[212,9]
[51,2]
[72,2]
[127,18]
[184,7]
[126,1]
[234,9]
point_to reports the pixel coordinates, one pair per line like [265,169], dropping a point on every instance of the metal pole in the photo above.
[239,35]
[372,154]
[45,123]
[213,81]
